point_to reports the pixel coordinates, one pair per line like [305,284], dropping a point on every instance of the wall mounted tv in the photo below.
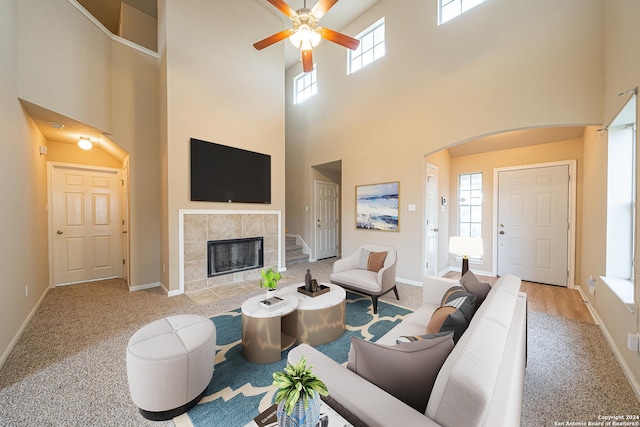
[227,174]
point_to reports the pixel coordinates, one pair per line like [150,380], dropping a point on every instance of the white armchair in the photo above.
[355,272]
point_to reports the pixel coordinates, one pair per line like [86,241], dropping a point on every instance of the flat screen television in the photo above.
[227,174]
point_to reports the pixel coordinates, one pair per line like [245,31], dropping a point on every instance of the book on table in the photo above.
[272,303]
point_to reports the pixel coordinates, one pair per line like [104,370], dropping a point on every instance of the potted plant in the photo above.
[298,395]
[269,280]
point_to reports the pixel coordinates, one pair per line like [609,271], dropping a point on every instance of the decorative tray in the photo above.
[322,289]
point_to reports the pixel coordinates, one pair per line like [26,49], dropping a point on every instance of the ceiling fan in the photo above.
[306,34]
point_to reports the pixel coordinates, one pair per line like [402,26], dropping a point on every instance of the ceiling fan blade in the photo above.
[307,61]
[283,7]
[322,7]
[339,38]
[273,39]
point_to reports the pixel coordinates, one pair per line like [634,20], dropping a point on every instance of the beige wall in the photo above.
[70,153]
[23,190]
[490,70]
[621,63]
[65,71]
[218,89]
[138,27]
[135,128]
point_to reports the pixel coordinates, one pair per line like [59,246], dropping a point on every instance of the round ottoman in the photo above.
[169,365]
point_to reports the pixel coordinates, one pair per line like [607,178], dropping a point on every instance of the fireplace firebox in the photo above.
[233,255]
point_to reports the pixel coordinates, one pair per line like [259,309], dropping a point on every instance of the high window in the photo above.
[470,205]
[372,47]
[449,9]
[304,86]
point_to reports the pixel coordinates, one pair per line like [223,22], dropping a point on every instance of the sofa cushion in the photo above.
[357,279]
[456,292]
[406,371]
[471,284]
[372,261]
[452,316]
[364,259]
[376,261]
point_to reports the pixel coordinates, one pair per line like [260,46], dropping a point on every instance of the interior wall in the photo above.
[63,152]
[138,27]
[23,193]
[219,89]
[489,70]
[621,61]
[135,111]
[68,72]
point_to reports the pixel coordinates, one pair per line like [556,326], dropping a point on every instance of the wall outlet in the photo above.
[26,290]
[592,285]
[633,341]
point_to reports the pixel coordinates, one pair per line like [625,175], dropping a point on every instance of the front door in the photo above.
[533,224]
[85,240]
[326,223]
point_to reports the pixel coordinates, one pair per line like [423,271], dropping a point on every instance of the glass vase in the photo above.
[300,417]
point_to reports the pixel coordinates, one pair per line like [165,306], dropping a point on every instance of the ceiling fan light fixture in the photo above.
[305,38]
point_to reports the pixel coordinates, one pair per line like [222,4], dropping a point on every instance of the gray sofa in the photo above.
[480,383]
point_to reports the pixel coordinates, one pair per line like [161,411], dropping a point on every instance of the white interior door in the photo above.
[85,234]
[533,224]
[326,224]
[431,221]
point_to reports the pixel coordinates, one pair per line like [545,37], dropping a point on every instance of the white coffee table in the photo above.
[262,333]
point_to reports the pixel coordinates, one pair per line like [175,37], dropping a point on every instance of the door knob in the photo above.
[59,232]
[501,232]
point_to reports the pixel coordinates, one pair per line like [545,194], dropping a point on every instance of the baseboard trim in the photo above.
[145,286]
[623,364]
[408,282]
[18,334]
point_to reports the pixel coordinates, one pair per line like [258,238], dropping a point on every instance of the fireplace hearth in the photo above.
[233,255]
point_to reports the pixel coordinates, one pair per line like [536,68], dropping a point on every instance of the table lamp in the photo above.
[466,247]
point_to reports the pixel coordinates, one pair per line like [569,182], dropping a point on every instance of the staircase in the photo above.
[294,253]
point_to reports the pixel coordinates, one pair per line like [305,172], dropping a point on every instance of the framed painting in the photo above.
[377,206]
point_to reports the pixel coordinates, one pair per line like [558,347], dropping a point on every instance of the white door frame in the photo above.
[571,243]
[51,166]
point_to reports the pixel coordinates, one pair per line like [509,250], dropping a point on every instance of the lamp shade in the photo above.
[466,246]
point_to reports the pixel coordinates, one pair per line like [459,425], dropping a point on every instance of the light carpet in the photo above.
[240,390]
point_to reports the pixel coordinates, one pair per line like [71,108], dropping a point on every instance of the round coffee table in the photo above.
[316,320]
[263,338]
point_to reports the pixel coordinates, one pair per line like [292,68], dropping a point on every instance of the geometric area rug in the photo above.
[240,390]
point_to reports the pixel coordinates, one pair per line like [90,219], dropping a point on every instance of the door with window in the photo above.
[533,223]
[85,230]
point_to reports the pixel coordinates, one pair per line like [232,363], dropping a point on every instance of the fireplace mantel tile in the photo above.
[198,228]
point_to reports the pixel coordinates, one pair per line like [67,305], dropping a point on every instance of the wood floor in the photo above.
[554,300]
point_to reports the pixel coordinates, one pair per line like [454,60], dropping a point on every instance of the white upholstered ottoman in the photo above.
[170,364]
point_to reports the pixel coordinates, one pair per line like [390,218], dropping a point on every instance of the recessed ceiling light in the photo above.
[85,143]
[56,125]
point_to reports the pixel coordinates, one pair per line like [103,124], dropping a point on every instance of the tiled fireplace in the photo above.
[200,227]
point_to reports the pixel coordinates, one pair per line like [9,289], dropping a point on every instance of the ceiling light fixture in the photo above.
[85,143]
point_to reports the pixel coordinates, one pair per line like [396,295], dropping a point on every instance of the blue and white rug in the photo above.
[240,390]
